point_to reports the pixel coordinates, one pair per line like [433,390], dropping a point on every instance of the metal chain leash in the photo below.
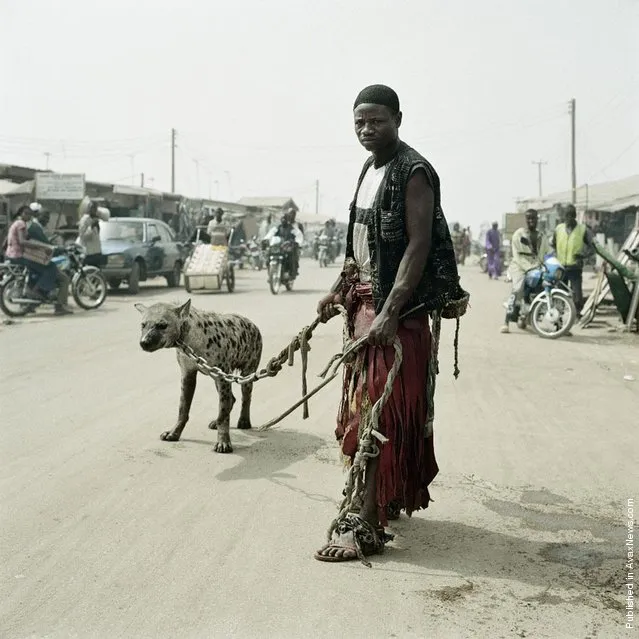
[272,368]
[299,343]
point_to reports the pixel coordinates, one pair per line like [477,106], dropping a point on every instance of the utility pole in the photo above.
[573,154]
[172,160]
[539,164]
[142,180]
[316,197]
[47,155]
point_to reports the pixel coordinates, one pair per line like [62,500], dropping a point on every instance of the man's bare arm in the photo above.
[420,205]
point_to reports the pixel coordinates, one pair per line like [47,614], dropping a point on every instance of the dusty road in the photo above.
[106,531]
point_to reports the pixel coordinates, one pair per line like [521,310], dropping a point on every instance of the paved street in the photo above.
[109,532]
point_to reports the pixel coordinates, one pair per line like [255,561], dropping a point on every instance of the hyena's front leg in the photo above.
[189,379]
[226,400]
[245,413]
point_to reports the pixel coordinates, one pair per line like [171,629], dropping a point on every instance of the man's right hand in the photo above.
[326,308]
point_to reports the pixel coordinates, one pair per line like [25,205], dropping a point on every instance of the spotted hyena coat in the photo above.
[231,342]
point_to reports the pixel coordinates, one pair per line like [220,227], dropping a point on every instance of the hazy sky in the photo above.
[261,92]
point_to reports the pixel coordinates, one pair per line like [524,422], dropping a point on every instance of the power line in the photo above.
[616,159]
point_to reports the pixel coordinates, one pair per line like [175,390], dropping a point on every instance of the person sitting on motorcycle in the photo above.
[288,233]
[292,214]
[316,243]
[14,252]
[35,231]
[298,229]
[330,234]
[528,247]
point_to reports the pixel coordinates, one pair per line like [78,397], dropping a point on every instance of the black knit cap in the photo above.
[378,94]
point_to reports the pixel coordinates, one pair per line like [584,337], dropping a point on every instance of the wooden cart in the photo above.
[208,267]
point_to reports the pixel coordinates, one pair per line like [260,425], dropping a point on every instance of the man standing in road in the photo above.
[399,267]
[458,243]
[528,248]
[89,231]
[493,251]
[569,242]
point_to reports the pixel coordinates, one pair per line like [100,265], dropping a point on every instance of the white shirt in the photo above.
[365,199]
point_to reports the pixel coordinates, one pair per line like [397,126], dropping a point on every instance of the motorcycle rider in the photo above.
[47,274]
[316,243]
[298,229]
[36,231]
[528,247]
[328,235]
[291,233]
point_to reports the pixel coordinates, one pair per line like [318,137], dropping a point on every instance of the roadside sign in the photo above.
[59,186]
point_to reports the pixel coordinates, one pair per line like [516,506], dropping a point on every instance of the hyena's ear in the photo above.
[140,307]
[183,311]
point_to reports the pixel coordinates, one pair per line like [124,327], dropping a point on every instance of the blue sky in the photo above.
[261,92]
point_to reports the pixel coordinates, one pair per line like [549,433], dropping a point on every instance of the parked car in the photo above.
[138,249]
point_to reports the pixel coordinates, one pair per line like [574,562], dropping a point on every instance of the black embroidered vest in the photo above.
[388,239]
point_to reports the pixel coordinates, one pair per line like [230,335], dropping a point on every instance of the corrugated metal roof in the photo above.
[605,196]
[26,188]
[6,186]
[266,202]
[125,189]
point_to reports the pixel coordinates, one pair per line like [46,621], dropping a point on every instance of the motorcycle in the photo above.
[237,254]
[88,284]
[332,250]
[256,259]
[280,264]
[327,251]
[322,253]
[547,301]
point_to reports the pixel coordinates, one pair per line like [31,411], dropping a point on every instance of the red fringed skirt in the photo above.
[407,461]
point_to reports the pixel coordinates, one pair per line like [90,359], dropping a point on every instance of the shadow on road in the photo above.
[264,455]
[473,552]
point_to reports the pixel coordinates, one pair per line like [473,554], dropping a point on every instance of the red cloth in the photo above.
[407,461]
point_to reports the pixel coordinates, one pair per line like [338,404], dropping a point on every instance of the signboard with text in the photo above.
[60,186]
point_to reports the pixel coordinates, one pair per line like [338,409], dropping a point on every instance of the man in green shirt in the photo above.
[570,241]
